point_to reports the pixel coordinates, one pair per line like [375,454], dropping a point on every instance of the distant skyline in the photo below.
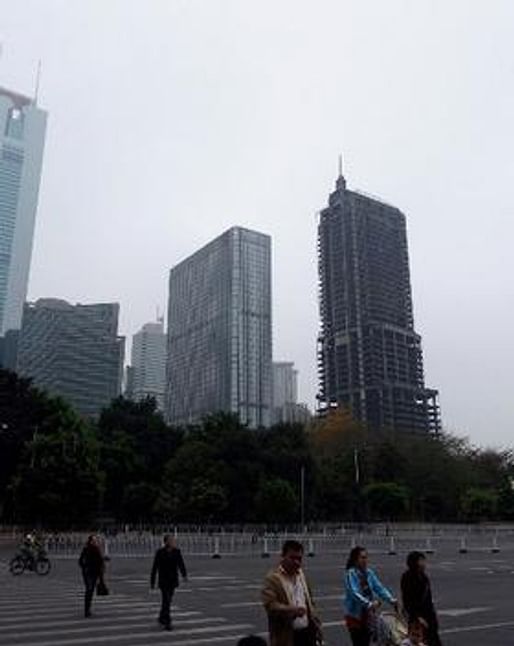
[172,120]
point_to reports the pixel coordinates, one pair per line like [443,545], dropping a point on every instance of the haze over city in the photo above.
[171,121]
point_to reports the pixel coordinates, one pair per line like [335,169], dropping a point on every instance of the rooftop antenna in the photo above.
[340,165]
[38,78]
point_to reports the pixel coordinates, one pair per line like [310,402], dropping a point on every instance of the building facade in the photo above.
[147,374]
[73,351]
[370,357]
[219,331]
[22,136]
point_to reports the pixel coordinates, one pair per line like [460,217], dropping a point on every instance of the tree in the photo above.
[276,502]
[387,500]
[479,504]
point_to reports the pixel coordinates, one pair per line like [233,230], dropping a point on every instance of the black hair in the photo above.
[291,546]
[414,558]
[252,640]
[354,556]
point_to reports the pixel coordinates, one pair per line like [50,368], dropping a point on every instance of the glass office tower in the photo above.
[22,136]
[219,331]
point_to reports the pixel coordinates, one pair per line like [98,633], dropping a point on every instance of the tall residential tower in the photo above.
[219,331]
[22,136]
[370,357]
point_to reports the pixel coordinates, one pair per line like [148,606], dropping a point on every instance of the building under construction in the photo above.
[370,358]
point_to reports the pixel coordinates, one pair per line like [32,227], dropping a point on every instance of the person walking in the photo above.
[288,602]
[92,564]
[417,597]
[168,562]
[364,594]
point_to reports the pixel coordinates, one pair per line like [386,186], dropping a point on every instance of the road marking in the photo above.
[477,627]
[462,612]
[103,639]
[91,627]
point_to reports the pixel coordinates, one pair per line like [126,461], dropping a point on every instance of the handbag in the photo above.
[101,589]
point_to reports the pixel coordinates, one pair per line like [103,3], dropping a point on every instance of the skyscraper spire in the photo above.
[38,78]
[340,174]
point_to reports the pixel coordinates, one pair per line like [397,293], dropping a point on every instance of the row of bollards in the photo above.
[392,550]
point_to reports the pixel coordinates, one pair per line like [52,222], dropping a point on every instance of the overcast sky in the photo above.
[171,120]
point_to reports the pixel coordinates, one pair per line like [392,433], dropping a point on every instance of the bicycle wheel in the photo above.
[43,567]
[17,566]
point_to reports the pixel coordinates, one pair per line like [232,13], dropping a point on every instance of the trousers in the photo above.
[166,599]
[90,581]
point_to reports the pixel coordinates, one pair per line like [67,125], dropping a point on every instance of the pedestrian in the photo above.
[287,599]
[168,562]
[417,597]
[92,564]
[364,594]
[415,636]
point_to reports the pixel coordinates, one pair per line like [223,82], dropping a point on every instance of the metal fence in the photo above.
[377,539]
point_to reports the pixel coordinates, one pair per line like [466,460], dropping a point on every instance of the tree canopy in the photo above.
[59,470]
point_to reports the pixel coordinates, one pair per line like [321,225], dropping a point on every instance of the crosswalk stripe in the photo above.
[103,639]
[92,628]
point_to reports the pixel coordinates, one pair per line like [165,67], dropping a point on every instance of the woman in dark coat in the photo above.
[92,564]
[417,597]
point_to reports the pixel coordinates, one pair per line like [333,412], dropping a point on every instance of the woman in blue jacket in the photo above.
[364,593]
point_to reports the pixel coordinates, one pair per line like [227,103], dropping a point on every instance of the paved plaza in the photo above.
[220,603]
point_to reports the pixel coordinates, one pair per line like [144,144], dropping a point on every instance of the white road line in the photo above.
[477,627]
[91,627]
[103,639]
[11,624]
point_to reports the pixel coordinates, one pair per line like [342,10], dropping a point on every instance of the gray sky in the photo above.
[171,120]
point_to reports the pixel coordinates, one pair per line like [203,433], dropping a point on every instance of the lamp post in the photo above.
[302,496]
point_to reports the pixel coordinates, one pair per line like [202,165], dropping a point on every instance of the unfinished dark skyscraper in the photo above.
[370,357]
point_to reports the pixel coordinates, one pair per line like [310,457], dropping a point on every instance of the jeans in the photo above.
[360,636]
[166,599]
[90,581]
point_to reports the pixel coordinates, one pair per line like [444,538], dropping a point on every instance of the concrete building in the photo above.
[73,351]
[147,374]
[22,136]
[286,409]
[370,357]
[219,331]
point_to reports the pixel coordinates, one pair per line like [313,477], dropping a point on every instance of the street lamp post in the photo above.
[302,496]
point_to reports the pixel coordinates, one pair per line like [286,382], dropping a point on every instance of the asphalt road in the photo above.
[220,603]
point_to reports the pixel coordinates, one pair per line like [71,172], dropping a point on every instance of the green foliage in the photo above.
[59,470]
[276,502]
[479,504]
[387,500]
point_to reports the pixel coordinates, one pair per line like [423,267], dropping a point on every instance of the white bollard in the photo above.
[216,554]
[265,550]
[311,548]
[463,547]
[495,548]
[428,547]
[392,547]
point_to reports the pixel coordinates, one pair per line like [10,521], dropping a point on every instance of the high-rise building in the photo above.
[286,409]
[22,136]
[219,331]
[147,374]
[73,351]
[370,357]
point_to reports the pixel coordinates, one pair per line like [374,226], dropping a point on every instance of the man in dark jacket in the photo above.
[168,562]
[417,597]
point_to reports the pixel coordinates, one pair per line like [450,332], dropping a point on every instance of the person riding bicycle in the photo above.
[29,548]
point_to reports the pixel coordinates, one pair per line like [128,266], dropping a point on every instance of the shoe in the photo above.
[87,614]
[168,627]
